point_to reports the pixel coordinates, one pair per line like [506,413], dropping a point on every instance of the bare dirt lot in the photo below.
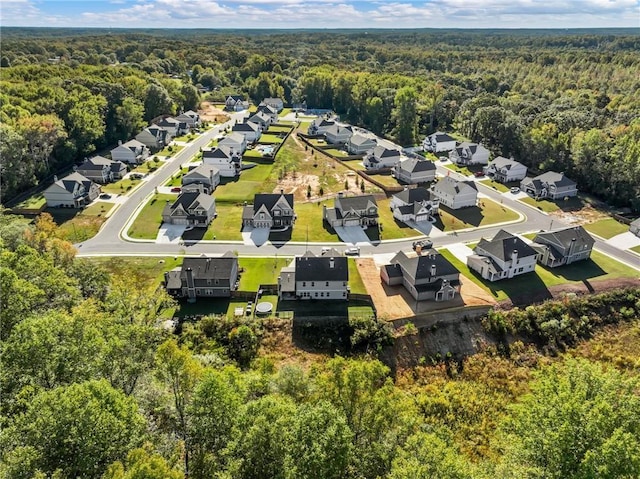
[209,112]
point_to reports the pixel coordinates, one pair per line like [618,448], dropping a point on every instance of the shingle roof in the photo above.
[360,202]
[202,170]
[412,195]
[249,126]
[503,244]
[414,165]
[450,186]
[508,163]
[192,200]
[203,269]
[322,268]
[358,139]
[70,181]
[422,267]
[383,152]
[552,177]
[222,151]
[567,236]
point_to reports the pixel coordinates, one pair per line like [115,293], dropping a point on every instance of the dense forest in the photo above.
[568,101]
[93,387]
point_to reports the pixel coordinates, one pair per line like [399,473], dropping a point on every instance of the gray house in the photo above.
[438,142]
[191,118]
[427,277]
[250,130]
[270,210]
[319,126]
[557,248]
[414,204]
[338,134]
[276,103]
[359,210]
[72,191]
[235,141]
[381,157]
[102,170]
[413,170]
[261,119]
[132,152]
[634,227]
[455,194]
[206,175]
[469,154]
[192,209]
[203,277]
[269,111]
[359,144]
[154,137]
[549,185]
[315,277]
[505,170]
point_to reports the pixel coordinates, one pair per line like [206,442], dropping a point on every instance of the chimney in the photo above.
[433,270]
[55,178]
[341,194]
[119,142]
[514,257]
[332,263]
[281,191]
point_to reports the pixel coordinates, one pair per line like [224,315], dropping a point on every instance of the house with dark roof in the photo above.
[208,176]
[154,137]
[549,185]
[236,103]
[381,157]
[414,170]
[361,210]
[270,210]
[634,227]
[191,118]
[72,191]
[319,126]
[192,209]
[505,170]
[469,154]
[315,277]
[438,142]
[359,144]
[504,256]
[132,152]
[203,277]
[414,204]
[455,194]
[226,160]
[102,170]
[560,247]
[250,130]
[338,134]
[428,277]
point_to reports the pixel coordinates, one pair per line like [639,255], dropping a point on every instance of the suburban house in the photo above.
[438,142]
[359,144]
[319,126]
[504,256]
[381,157]
[191,118]
[191,209]
[414,204]
[261,119]
[234,140]
[549,185]
[132,152]
[236,103]
[429,276]
[413,171]
[206,175]
[276,103]
[72,191]
[560,247]
[228,161]
[359,210]
[338,134]
[469,154]
[269,111]
[203,277]
[315,277]
[505,170]
[102,170]
[634,227]
[173,126]
[270,210]
[154,137]
[455,194]
[250,130]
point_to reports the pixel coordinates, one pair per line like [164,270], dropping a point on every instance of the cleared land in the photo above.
[607,228]
[120,187]
[80,225]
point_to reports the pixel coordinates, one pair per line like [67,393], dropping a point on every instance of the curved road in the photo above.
[110,240]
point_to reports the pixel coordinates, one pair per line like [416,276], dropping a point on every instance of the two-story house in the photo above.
[154,137]
[191,118]
[270,210]
[269,111]
[192,209]
[72,191]
[250,130]
[549,185]
[634,227]
[455,194]
[359,144]
[206,175]
[359,210]
[469,154]
[566,246]
[203,277]
[319,126]
[504,256]
[227,161]
[381,157]
[428,277]
[315,277]
[173,126]
[102,170]
[438,142]
[338,134]
[132,152]
[505,170]
[236,103]
[414,204]
[261,119]
[276,103]
[235,141]
[414,170]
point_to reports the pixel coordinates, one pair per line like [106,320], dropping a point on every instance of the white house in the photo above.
[269,111]
[132,152]
[413,171]
[235,141]
[455,194]
[414,204]
[191,118]
[236,103]
[315,277]
[72,191]
[504,256]
[227,161]
[261,119]
[173,126]
[469,154]
[250,130]
[381,157]
[359,144]
[361,210]
[438,142]
[206,175]
[338,134]
[505,170]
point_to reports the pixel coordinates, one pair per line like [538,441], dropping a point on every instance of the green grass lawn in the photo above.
[226,226]
[34,202]
[170,150]
[356,165]
[148,166]
[153,268]
[464,170]
[392,228]
[267,139]
[81,225]
[495,185]
[317,141]
[176,179]
[386,180]
[250,154]
[607,228]
[636,249]
[148,221]
[285,112]
[599,267]
[120,187]
[336,152]
[186,138]
[489,212]
[279,129]
[543,205]
[309,219]
[355,281]
[236,191]
[257,173]
[259,271]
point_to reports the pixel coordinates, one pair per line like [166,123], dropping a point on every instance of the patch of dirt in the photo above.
[297,184]
[277,345]
[589,213]
[209,112]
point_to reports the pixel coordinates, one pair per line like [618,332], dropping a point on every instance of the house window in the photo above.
[304,283]
[520,270]
[322,294]
[327,284]
[313,283]
[316,295]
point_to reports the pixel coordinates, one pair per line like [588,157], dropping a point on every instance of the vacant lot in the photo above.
[259,271]
[120,187]
[607,228]
[80,225]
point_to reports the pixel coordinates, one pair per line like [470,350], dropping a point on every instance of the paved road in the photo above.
[110,242]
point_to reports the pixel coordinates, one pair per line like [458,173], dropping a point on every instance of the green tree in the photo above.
[129,118]
[190,97]
[405,116]
[243,345]
[142,463]
[157,102]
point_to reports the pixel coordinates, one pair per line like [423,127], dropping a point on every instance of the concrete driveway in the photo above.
[460,251]
[170,233]
[426,228]
[624,241]
[255,236]
[352,234]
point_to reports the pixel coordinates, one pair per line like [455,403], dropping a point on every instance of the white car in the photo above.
[355,251]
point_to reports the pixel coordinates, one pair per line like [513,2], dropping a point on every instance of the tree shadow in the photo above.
[62,215]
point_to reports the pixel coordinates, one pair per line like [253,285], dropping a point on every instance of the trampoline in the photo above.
[264,308]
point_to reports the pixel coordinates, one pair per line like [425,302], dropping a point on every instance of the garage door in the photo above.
[355,222]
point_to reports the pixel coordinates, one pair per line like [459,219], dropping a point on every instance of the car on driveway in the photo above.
[423,244]
[478,174]
[176,189]
[355,251]
[105,196]
[514,189]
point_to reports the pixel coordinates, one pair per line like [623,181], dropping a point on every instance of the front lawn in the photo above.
[186,138]
[267,139]
[543,205]
[636,249]
[309,224]
[176,179]
[392,228]
[464,170]
[148,221]
[226,226]
[148,166]
[496,185]
[259,271]
[487,213]
[607,228]
[81,225]
[120,187]
[170,150]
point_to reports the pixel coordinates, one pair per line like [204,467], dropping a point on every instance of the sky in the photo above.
[321,13]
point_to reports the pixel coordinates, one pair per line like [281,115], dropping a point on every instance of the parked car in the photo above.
[355,251]
[136,176]
[514,189]
[424,244]
[105,196]
[478,174]
[176,189]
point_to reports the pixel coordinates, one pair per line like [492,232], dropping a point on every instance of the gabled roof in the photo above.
[361,202]
[439,136]
[269,200]
[192,200]
[323,122]
[558,179]
[500,162]
[322,268]
[564,237]
[204,170]
[425,265]
[635,222]
[412,195]
[221,151]
[336,129]
[450,186]
[133,144]
[71,181]
[169,121]
[204,268]
[248,127]
[268,109]
[261,116]
[233,136]
[414,165]
[383,152]
[358,139]
[503,244]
